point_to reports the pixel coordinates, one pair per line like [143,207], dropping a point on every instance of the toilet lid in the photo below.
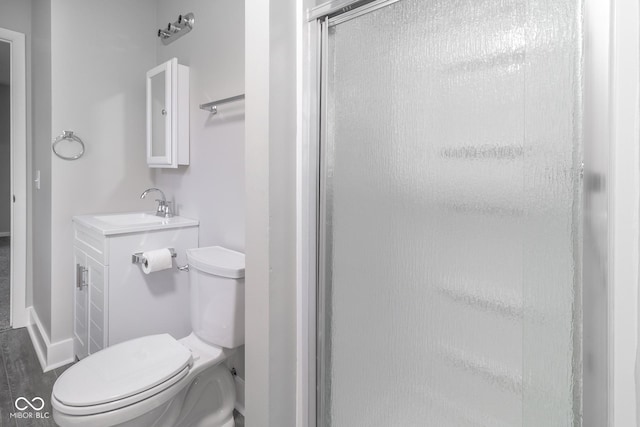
[122,370]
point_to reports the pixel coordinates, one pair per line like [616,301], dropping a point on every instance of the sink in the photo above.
[131,222]
[130,219]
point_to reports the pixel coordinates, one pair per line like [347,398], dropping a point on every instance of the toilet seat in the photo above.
[117,404]
[122,375]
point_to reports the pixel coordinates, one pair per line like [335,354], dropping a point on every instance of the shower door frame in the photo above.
[312,41]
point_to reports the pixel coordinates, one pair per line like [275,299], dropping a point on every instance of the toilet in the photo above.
[157,380]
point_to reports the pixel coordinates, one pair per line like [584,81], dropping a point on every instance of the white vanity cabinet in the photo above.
[114,300]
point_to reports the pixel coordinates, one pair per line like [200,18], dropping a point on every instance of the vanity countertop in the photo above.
[131,222]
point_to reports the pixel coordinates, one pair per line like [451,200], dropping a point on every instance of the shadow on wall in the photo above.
[233,112]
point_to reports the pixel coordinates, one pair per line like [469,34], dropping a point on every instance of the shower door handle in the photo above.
[80,282]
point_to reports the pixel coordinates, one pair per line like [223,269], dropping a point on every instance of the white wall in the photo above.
[271,111]
[100,52]
[5,155]
[41,160]
[211,188]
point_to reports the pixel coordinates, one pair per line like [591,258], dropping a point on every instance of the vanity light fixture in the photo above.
[175,30]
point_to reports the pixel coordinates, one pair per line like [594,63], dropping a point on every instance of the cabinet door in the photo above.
[97,280]
[80,305]
[168,115]
[161,115]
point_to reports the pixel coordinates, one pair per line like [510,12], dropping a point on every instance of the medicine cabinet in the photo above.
[168,115]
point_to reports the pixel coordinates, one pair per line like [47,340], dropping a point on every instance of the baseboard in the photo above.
[36,339]
[5,233]
[50,355]
[239,394]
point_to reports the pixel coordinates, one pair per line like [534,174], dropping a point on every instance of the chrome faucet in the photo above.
[164,207]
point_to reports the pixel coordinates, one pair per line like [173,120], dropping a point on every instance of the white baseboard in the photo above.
[239,394]
[51,355]
[5,233]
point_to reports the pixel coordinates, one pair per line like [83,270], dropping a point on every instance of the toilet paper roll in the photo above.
[157,260]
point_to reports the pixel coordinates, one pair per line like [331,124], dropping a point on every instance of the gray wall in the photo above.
[15,15]
[102,98]
[5,155]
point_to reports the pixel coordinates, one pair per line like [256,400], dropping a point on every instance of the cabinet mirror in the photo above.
[168,115]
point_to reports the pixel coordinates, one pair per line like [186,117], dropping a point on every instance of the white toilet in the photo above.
[160,381]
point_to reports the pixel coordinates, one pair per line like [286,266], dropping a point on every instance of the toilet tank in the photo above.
[216,277]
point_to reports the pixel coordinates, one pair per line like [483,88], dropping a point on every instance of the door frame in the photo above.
[624,209]
[307,182]
[18,89]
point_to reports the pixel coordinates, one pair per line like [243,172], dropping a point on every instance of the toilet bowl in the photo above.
[157,380]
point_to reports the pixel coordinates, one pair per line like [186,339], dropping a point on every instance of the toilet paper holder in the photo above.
[138,258]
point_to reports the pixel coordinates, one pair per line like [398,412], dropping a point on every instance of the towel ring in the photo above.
[68,135]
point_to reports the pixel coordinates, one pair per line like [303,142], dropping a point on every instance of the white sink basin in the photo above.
[130,219]
[132,222]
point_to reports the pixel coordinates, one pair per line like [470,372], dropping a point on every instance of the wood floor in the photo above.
[22,376]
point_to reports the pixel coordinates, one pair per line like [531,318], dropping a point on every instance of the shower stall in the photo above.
[455,203]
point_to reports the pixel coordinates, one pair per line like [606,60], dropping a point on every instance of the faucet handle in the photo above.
[160,209]
[164,209]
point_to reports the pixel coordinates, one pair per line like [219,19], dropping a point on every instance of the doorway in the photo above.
[5,185]
[13,180]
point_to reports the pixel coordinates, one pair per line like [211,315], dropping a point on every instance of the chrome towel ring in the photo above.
[68,135]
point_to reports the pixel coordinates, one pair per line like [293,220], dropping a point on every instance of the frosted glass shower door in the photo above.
[450,206]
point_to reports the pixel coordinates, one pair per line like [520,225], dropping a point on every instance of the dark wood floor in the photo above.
[22,376]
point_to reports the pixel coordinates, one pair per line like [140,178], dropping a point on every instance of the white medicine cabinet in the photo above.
[168,115]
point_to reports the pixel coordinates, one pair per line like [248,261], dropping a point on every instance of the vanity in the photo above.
[114,300]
